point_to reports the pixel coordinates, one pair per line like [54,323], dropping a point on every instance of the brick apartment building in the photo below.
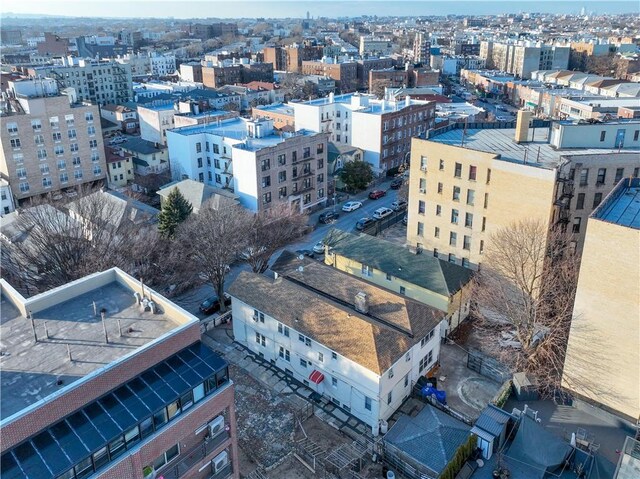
[131,393]
[218,76]
[407,76]
[345,74]
[369,64]
[289,58]
[212,30]
[49,142]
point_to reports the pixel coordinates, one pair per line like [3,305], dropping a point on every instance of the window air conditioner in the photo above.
[423,190]
[219,462]
[216,426]
[423,168]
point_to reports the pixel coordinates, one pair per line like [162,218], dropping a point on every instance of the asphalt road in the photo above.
[191,299]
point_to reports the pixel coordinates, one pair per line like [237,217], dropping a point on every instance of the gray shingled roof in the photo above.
[492,420]
[318,302]
[422,270]
[431,438]
[198,193]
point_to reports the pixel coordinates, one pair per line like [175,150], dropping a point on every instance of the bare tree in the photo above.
[210,241]
[271,230]
[378,87]
[51,244]
[524,292]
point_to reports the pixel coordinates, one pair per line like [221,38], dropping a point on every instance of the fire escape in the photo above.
[564,193]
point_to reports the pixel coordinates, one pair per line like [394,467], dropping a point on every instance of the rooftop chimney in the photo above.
[522,126]
[361,303]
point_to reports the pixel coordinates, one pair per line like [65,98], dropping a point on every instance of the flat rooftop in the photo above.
[277,108]
[30,371]
[501,141]
[622,206]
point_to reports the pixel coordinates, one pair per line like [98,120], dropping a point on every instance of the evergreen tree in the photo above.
[175,210]
[356,175]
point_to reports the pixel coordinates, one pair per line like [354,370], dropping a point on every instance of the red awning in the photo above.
[316,376]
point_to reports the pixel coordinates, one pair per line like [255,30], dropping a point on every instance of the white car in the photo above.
[351,205]
[318,247]
[381,213]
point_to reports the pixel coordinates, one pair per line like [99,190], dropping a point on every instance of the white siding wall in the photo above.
[245,181]
[182,153]
[365,134]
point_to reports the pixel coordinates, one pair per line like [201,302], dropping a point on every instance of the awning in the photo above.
[316,376]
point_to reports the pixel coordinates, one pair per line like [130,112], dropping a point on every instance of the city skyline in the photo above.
[322,8]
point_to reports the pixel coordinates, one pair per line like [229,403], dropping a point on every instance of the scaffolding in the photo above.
[346,460]
[309,454]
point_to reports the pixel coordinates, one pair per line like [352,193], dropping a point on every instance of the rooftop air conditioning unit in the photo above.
[219,462]
[216,426]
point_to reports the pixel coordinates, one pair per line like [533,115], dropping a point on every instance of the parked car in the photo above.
[381,213]
[399,205]
[318,247]
[377,194]
[212,304]
[116,140]
[307,252]
[396,184]
[405,220]
[351,205]
[364,223]
[328,217]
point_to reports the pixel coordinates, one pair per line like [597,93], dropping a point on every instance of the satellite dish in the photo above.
[301,257]
[301,269]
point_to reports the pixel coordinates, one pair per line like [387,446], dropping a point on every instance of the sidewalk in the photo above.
[220,339]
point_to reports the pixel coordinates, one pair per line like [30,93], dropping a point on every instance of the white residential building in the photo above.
[246,156]
[382,128]
[7,204]
[162,64]
[155,120]
[359,345]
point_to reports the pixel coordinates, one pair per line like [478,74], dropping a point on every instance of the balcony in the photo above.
[195,456]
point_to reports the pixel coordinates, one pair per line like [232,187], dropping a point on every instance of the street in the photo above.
[191,299]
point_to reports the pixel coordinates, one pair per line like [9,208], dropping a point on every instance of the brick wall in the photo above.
[182,431]
[62,406]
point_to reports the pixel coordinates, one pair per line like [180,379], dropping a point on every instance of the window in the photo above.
[468,220]
[388,276]
[73,147]
[57,136]
[266,198]
[420,231]
[303,363]
[458,170]
[390,373]
[282,192]
[484,223]
[619,175]
[454,216]
[602,173]
[636,172]
[466,242]
[260,339]
[15,142]
[284,354]
[465,262]
[38,139]
[580,201]
[36,125]
[95,156]
[603,135]
[453,238]
[472,173]
[258,316]
[306,152]
[636,134]
[452,258]
[69,120]
[576,225]
[88,116]
[72,134]
[597,199]
[77,174]
[199,162]
[282,329]
[334,382]
[266,180]
[389,397]
[12,128]
[321,357]
[421,207]
[265,164]
[58,150]
[198,147]
[403,290]
[93,143]
[91,130]
[425,361]
[435,252]
[456,193]
[423,163]
[97,171]
[21,173]
[367,403]
[54,122]
[367,270]
[441,166]
[166,457]
[584,176]
[438,210]
[320,163]
[46,182]
[132,436]
[486,200]
[282,160]
[488,175]
[334,355]
[24,187]
[44,169]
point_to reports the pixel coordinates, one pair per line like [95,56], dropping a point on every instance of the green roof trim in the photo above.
[138,161]
[423,270]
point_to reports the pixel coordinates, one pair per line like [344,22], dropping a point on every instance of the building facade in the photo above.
[261,167]
[123,405]
[523,58]
[343,343]
[50,144]
[7,203]
[345,73]
[606,322]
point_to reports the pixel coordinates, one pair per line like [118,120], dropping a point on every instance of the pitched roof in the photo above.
[422,270]
[140,146]
[319,303]
[198,193]
[431,438]
[492,419]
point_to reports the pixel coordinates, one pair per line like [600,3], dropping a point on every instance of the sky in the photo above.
[299,8]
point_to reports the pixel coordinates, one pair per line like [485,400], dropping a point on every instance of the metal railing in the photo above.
[194,457]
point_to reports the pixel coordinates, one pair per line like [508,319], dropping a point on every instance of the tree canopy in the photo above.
[356,175]
[175,209]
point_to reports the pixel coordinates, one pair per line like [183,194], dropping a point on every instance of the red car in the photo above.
[376,194]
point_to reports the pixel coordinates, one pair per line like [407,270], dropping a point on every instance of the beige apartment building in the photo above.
[602,362]
[49,144]
[466,184]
